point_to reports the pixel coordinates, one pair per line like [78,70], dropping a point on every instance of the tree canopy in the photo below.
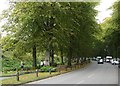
[112,31]
[66,27]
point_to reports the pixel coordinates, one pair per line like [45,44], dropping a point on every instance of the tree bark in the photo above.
[78,60]
[62,62]
[47,56]
[69,56]
[70,51]
[34,56]
[52,56]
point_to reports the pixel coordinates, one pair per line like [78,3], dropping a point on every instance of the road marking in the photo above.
[91,75]
[80,82]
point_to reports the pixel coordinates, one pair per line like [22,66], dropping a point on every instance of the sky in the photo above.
[3,6]
[102,8]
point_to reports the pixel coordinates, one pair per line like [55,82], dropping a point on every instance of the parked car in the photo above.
[100,61]
[94,59]
[98,58]
[116,62]
[104,60]
[108,58]
[112,61]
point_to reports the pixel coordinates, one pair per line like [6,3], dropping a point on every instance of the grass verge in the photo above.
[32,77]
[27,78]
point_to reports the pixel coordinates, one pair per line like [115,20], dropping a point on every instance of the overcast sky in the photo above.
[102,8]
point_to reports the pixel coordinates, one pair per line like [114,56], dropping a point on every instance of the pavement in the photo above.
[1,78]
[92,74]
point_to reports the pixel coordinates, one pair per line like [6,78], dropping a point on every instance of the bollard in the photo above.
[37,72]
[17,75]
[50,71]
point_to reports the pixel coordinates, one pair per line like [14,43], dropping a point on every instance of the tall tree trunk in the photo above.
[34,56]
[69,56]
[62,56]
[52,56]
[114,50]
[69,60]
[70,51]
[47,57]
[78,60]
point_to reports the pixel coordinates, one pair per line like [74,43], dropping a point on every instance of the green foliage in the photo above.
[112,31]
[47,69]
[53,26]
[9,64]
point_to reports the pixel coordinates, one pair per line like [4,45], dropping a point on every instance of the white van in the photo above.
[108,58]
[98,58]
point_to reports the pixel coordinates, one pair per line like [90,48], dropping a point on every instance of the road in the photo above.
[92,74]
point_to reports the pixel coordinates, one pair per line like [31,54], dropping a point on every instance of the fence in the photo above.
[59,68]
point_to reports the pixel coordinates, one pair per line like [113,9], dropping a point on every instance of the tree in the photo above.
[69,28]
[112,31]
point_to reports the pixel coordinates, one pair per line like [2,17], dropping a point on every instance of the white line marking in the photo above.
[80,82]
[91,75]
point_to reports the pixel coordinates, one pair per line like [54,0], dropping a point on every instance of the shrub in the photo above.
[9,64]
[47,68]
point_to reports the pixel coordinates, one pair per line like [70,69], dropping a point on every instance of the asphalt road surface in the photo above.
[92,74]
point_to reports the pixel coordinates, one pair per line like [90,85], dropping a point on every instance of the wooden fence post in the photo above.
[50,71]
[37,72]
[17,75]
